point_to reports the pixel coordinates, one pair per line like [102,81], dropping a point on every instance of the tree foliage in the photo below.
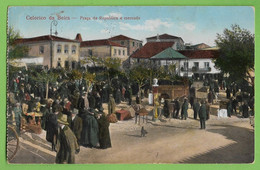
[236,52]
[46,78]
[140,74]
[15,51]
[76,75]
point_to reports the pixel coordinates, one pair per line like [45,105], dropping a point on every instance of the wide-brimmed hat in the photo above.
[62,119]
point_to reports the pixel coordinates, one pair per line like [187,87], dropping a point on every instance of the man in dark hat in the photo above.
[245,109]
[207,110]
[229,108]
[52,126]
[228,93]
[118,96]
[75,124]
[67,144]
[234,105]
[196,108]
[166,108]
[45,113]
[177,108]
[184,109]
[210,97]
[202,115]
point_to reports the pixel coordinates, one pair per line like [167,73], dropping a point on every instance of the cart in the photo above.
[12,142]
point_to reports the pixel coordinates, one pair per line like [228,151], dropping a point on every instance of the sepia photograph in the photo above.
[130,85]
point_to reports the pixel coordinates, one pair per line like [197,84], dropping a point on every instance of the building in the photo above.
[149,50]
[131,44]
[178,41]
[168,57]
[198,62]
[51,51]
[188,62]
[102,48]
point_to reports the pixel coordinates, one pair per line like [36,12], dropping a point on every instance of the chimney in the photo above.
[157,38]
[78,37]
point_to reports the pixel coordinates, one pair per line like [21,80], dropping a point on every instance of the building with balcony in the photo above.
[198,63]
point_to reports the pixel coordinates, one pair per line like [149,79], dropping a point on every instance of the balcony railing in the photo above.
[196,69]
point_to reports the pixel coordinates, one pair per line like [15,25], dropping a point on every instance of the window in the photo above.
[123,52]
[90,52]
[73,64]
[186,65]
[178,46]
[58,48]
[206,64]
[58,64]
[41,49]
[133,44]
[196,64]
[119,52]
[66,49]
[114,51]
[73,50]
[67,64]
[122,43]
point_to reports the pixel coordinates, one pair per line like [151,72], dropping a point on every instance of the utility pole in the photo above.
[55,23]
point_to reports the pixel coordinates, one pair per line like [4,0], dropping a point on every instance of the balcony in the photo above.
[196,69]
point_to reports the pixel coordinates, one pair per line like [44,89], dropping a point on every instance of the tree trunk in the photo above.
[47,89]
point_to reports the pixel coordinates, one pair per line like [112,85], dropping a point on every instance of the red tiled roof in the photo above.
[151,48]
[99,43]
[121,37]
[200,53]
[164,36]
[42,38]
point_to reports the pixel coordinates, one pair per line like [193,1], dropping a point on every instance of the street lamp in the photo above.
[55,23]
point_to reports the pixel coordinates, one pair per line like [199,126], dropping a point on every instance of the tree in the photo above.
[236,54]
[46,77]
[112,66]
[90,78]
[15,51]
[140,74]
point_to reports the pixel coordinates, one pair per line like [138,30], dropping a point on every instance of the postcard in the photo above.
[130,84]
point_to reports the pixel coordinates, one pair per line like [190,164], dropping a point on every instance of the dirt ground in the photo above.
[225,140]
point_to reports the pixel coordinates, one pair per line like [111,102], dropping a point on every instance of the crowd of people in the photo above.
[240,104]
[73,116]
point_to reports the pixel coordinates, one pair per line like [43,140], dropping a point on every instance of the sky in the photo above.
[193,24]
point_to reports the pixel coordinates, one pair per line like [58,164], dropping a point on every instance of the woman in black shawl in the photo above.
[104,136]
